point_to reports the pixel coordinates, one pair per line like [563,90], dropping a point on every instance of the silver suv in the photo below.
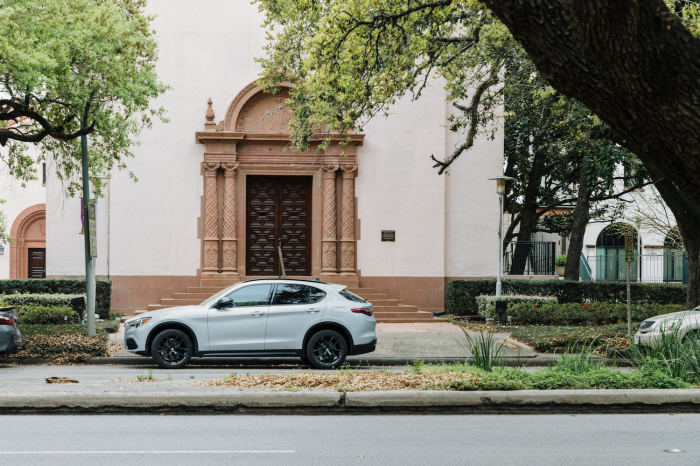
[320,323]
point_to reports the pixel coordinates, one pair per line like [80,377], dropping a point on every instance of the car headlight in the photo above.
[138,322]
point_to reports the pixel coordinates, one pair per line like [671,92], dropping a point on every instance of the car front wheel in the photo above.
[172,349]
[326,349]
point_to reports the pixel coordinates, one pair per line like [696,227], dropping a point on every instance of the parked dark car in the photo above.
[10,338]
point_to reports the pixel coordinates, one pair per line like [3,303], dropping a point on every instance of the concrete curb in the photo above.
[539,360]
[383,402]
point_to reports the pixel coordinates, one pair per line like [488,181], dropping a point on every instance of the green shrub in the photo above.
[40,315]
[573,338]
[550,379]
[460,295]
[61,286]
[45,300]
[487,307]
[103,327]
[71,346]
[586,313]
[560,261]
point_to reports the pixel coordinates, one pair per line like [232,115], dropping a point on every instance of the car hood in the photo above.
[161,312]
[674,316]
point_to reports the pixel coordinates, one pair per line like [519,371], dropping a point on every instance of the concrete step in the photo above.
[223,282]
[181,302]
[401,320]
[395,308]
[402,315]
[380,296]
[209,289]
[140,311]
[386,302]
[200,296]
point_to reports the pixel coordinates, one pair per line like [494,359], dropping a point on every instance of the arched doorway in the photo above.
[610,253]
[28,253]
[675,258]
[265,204]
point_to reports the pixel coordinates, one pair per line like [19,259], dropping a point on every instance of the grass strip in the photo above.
[454,377]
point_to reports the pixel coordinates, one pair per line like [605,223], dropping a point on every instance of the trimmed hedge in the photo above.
[487,306]
[40,315]
[70,346]
[103,299]
[586,313]
[43,300]
[460,295]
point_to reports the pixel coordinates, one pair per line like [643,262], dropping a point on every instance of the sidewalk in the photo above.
[397,344]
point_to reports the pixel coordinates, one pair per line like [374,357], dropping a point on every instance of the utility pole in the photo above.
[500,190]
[90,241]
[629,258]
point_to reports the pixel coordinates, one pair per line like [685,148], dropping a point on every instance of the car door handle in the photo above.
[257,313]
[313,310]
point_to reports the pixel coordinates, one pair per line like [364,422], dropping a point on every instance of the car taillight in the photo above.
[363,310]
[6,320]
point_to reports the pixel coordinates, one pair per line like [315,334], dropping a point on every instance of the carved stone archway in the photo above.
[253,139]
[28,231]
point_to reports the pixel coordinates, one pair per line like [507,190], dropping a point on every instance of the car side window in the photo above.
[252,295]
[297,294]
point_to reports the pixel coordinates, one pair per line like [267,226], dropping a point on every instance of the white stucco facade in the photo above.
[17,199]
[151,231]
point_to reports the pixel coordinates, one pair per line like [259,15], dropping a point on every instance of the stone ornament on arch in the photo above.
[254,111]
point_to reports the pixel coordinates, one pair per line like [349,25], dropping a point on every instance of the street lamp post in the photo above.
[501,190]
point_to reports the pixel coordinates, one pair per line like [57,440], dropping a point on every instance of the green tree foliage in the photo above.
[74,67]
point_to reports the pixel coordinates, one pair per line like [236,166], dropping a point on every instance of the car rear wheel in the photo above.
[326,349]
[172,349]
[692,336]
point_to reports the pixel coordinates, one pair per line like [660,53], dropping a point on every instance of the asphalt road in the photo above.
[339,440]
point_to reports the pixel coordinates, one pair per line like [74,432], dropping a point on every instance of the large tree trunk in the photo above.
[578,227]
[688,220]
[632,62]
[528,214]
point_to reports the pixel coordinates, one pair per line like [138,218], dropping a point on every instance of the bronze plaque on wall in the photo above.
[389,235]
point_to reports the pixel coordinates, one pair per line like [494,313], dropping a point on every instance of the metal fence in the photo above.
[649,268]
[529,258]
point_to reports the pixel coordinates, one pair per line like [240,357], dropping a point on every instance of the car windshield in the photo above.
[211,300]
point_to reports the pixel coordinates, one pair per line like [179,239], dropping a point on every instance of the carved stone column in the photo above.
[330,219]
[229,240]
[211,233]
[347,238]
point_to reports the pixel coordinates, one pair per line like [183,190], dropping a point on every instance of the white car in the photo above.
[682,324]
[320,323]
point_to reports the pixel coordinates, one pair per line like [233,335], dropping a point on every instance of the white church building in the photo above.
[218,190]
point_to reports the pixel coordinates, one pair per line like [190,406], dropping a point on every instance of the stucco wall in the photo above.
[205,51]
[444,224]
[471,203]
[398,190]
[17,198]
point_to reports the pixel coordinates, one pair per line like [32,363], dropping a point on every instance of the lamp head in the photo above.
[501,183]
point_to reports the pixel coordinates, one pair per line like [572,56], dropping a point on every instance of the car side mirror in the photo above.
[224,303]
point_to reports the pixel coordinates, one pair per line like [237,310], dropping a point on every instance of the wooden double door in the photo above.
[278,211]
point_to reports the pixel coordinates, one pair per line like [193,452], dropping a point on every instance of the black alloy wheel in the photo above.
[326,349]
[171,349]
